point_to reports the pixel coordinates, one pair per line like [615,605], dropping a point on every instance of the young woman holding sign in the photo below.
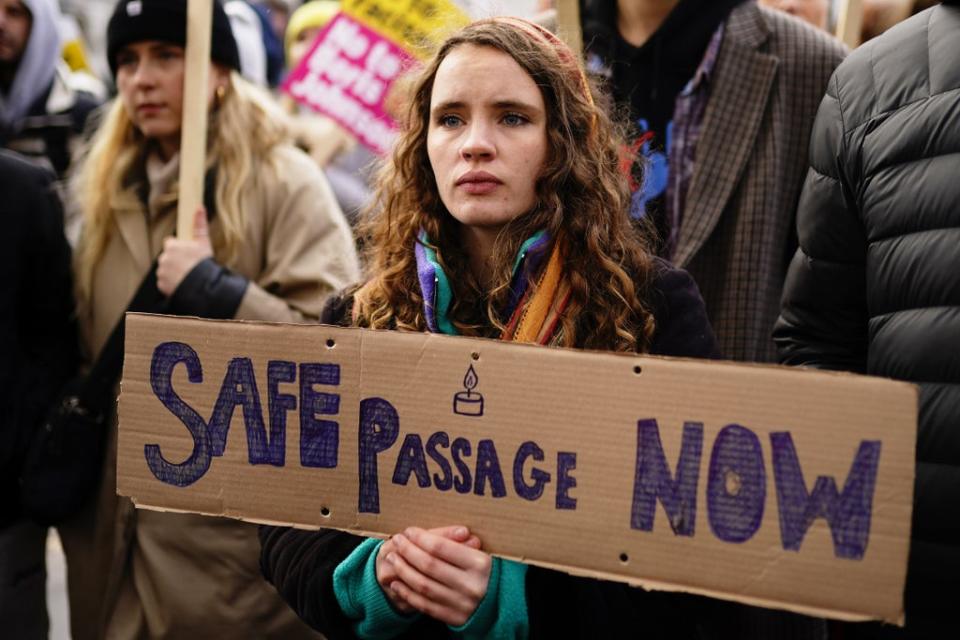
[502,215]
[271,245]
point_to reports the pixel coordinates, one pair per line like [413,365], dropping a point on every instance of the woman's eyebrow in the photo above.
[519,105]
[448,106]
[515,104]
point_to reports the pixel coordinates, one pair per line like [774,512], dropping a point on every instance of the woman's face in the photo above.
[150,83]
[487,139]
[301,44]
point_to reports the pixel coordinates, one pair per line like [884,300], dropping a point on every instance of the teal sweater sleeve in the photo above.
[361,598]
[502,614]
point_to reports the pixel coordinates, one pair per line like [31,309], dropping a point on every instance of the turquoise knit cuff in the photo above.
[362,600]
[502,614]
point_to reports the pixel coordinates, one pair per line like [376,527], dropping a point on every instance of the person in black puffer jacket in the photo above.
[874,287]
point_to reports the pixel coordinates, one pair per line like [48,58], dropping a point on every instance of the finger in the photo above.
[384,570]
[429,565]
[200,228]
[449,551]
[423,605]
[397,601]
[386,575]
[473,542]
[454,532]
[460,534]
[425,586]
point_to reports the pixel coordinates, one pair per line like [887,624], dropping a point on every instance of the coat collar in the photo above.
[137,207]
[740,90]
[128,208]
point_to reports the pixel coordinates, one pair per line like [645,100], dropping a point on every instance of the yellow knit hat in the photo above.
[316,13]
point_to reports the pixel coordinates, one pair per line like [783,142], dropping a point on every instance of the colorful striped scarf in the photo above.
[534,312]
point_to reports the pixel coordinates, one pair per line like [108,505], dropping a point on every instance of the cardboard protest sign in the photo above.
[767,485]
[347,76]
[349,71]
[419,25]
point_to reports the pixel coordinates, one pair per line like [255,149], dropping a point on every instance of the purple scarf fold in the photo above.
[436,290]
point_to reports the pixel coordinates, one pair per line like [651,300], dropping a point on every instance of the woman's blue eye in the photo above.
[448,121]
[513,119]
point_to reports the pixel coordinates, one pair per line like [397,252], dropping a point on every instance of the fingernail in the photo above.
[460,532]
[390,557]
[399,539]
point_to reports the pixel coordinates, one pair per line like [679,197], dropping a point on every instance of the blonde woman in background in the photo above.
[348,166]
[276,244]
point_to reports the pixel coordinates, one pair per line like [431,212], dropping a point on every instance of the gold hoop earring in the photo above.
[219,95]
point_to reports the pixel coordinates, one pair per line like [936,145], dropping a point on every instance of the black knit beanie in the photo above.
[166,21]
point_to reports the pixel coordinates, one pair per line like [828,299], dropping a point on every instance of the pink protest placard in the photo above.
[347,76]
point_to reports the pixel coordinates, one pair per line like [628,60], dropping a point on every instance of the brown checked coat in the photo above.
[146,574]
[737,235]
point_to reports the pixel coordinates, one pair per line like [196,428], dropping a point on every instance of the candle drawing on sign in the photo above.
[469,402]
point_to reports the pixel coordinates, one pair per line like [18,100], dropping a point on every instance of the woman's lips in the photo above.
[479,187]
[478,182]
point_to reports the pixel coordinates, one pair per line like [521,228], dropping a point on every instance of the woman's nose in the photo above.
[143,75]
[478,143]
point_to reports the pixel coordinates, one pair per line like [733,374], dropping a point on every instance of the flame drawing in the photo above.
[470,380]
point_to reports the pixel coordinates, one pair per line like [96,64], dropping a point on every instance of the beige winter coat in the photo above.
[143,574]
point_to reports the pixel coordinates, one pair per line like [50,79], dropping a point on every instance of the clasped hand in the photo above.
[440,572]
[179,257]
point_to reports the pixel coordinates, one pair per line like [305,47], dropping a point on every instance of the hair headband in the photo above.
[549,38]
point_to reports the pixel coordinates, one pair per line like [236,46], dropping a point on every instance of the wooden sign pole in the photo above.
[568,25]
[193,130]
[850,22]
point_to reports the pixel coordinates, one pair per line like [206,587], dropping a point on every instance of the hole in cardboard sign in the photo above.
[331,343]
[475,355]
[624,558]
[637,369]
[732,483]
[325,512]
